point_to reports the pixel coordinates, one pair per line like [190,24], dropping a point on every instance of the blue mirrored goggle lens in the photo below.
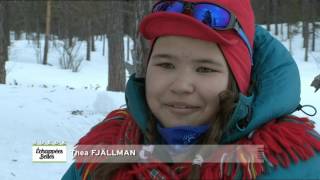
[212,15]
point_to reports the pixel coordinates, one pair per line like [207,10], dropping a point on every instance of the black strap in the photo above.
[300,108]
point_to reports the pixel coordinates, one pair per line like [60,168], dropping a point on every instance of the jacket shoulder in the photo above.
[297,138]
[105,132]
[73,173]
[307,169]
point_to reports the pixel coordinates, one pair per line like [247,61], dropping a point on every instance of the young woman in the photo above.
[204,85]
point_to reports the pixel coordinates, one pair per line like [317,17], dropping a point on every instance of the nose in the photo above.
[182,84]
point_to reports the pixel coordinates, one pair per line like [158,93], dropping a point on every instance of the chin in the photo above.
[183,123]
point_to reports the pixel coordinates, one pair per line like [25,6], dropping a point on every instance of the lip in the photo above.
[182,108]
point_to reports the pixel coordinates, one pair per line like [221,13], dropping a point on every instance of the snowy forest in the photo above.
[74,21]
[64,65]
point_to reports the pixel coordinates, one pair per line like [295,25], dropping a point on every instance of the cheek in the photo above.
[150,87]
[212,88]
[151,78]
[154,86]
[156,80]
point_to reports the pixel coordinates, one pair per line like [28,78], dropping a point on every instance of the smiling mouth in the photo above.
[182,109]
[182,106]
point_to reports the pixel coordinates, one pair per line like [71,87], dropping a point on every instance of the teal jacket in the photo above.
[275,93]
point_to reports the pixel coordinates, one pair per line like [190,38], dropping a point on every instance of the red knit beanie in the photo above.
[232,46]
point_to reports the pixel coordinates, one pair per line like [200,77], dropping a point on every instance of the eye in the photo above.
[166,65]
[205,70]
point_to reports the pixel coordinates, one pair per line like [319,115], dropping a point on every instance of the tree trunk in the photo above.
[28,37]
[306,49]
[281,31]
[6,30]
[117,73]
[93,47]
[88,57]
[128,49]
[3,44]
[276,28]
[306,39]
[313,46]
[104,45]
[313,19]
[268,9]
[290,37]
[305,23]
[38,32]
[288,30]
[46,41]
[275,15]
[17,35]
[141,46]
[70,43]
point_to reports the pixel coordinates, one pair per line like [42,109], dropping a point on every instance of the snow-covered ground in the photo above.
[41,103]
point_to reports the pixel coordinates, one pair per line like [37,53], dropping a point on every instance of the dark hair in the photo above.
[227,103]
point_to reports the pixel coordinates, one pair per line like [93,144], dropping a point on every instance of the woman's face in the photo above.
[183,80]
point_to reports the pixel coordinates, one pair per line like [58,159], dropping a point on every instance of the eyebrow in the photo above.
[206,61]
[197,61]
[166,56]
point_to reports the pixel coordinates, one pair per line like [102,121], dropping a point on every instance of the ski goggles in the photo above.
[214,16]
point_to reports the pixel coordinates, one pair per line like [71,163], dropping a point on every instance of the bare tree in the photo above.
[3,44]
[46,43]
[38,21]
[88,16]
[85,20]
[93,47]
[274,7]
[117,74]
[281,19]
[141,46]
[305,27]
[103,44]
[289,34]
[268,9]
[306,34]
[88,21]
[314,29]
[6,30]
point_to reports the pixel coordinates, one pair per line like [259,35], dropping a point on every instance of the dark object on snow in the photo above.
[77,112]
[316,83]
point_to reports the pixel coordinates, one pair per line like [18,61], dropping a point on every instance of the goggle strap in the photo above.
[245,39]
[233,22]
